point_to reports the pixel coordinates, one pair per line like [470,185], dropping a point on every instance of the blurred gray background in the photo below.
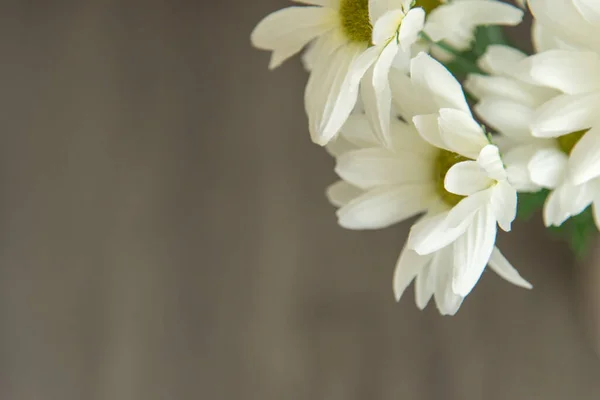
[164,234]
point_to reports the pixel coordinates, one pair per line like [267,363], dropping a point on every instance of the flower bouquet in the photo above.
[430,111]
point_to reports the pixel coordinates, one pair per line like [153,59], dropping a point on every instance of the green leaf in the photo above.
[465,62]
[486,36]
[529,203]
[583,228]
[577,231]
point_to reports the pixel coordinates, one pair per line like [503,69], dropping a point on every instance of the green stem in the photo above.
[467,66]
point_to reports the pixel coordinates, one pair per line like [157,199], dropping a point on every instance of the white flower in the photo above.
[508,105]
[351,38]
[447,170]
[570,64]
[488,199]
[339,33]
[433,277]
[545,105]
[397,30]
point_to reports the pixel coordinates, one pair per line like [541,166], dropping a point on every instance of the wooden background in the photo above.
[164,234]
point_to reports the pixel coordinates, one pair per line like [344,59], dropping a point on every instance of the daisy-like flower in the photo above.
[570,64]
[571,120]
[546,106]
[396,36]
[350,38]
[508,105]
[442,166]
[339,32]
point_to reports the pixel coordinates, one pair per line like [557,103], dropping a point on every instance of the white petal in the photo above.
[429,129]
[408,266]
[324,85]
[446,301]
[377,8]
[410,28]
[437,32]
[432,233]
[464,211]
[554,215]
[596,212]
[589,9]
[341,193]
[576,198]
[500,265]
[424,287]
[357,130]
[500,59]
[506,88]
[383,94]
[508,117]
[472,251]
[461,133]
[504,204]
[466,178]
[543,39]
[472,13]
[322,48]
[489,159]
[405,137]
[287,31]
[385,206]
[402,60]
[346,98]
[338,146]
[409,100]
[342,96]
[584,160]
[565,114]
[432,76]
[547,167]
[516,161]
[385,28]
[566,21]
[366,168]
[571,72]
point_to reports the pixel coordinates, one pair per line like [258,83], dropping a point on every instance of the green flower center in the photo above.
[354,15]
[355,20]
[443,162]
[428,5]
[568,141]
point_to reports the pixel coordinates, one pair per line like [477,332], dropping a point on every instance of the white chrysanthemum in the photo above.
[508,105]
[550,143]
[350,38]
[570,119]
[478,176]
[396,35]
[569,39]
[447,170]
[339,33]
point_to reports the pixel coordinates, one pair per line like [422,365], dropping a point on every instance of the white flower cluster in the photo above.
[406,142]
[547,107]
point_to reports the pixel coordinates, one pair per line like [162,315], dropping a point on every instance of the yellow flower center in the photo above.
[354,15]
[355,20]
[428,5]
[568,141]
[443,162]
